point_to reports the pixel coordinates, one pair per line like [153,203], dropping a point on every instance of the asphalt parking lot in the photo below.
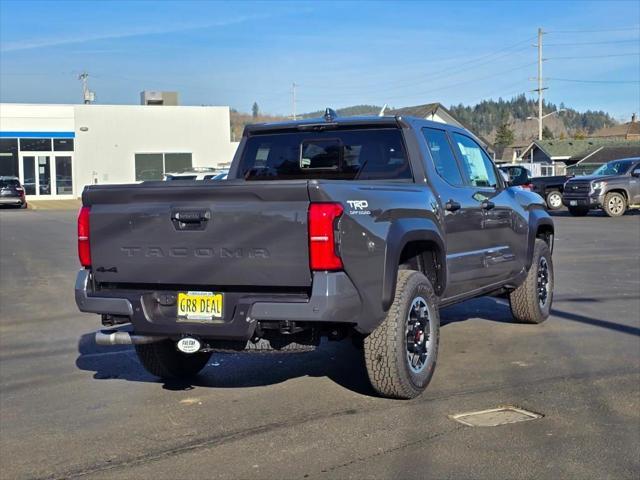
[71,409]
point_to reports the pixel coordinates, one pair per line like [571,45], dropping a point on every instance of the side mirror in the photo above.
[636,172]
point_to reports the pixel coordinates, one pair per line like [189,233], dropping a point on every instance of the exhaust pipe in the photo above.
[115,337]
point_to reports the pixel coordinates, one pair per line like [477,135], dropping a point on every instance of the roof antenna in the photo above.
[381,113]
[330,115]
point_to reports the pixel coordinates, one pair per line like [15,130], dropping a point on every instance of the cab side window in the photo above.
[443,159]
[478,166]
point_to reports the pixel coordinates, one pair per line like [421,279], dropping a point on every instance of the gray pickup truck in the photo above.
[614,187]
[332,227]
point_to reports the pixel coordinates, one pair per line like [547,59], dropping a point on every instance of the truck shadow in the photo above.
[341,362]
[235,370]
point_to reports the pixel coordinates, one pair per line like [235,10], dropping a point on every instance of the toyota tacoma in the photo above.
[331,227]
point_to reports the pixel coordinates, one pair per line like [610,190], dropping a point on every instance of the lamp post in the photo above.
[543,117]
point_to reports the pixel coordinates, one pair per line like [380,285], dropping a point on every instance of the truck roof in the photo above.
[331,121]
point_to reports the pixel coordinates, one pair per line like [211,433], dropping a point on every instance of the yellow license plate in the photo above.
[200,305]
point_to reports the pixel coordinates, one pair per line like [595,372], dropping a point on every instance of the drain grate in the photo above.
[495,417]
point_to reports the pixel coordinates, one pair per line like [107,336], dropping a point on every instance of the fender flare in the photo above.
[537,218]
[400,234]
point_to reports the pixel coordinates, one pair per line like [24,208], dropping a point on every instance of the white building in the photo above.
[56,150]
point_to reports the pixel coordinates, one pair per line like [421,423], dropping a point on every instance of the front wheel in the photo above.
[614,204]
[400,355]
[531,301]
[164,360]
[554,200]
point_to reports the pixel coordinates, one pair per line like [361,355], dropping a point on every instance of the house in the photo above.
[625,131]
[436,112]
[555,156]
[512,153]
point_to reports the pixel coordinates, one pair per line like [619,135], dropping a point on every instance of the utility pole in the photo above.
[540,87]
[87,95]
[293,100]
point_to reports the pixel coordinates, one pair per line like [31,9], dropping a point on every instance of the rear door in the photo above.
[231,233]
[500,238]
[463,217]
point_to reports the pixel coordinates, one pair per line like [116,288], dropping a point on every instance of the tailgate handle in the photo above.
[190,219]
[191,216]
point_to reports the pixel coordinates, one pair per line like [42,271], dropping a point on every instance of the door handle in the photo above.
[487,205]
[452,206]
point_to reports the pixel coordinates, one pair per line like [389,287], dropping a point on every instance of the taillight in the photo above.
[84,248]
[322,242]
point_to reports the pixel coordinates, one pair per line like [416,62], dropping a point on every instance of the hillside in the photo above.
[484,119]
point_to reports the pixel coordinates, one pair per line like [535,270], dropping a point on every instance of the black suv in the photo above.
[11,192]
[614,187]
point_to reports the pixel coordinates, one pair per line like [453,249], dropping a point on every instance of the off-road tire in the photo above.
[524,300]
[385,349]
[554,200]
[579,211]
[615,204]
[164,360]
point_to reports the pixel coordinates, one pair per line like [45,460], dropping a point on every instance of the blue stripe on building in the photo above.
[37,134]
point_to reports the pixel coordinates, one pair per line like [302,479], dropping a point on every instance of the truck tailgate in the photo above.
[229,233]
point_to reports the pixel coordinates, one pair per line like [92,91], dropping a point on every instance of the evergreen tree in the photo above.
[255,110]
[504,136]
[547,134]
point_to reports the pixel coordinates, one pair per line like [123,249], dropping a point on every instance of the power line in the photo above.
[606,42]
[622,29]
[631,54]
[443,73]
[592,81]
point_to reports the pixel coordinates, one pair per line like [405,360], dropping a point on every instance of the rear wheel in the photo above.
[531,301]
[400,355]
[554,200]
[579,211]
[164,360]
[614,204]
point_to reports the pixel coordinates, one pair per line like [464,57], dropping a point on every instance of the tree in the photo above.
[580,135]
[255,110]
[547,134]
[504,136]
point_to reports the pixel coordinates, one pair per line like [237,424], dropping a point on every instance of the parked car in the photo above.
[549,188]
[11,192]
[517,176]
[197,173]
[335,227]
[614,187]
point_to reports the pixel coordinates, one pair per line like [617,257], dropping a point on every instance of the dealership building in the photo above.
[56,150]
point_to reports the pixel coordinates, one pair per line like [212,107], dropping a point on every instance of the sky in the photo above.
[337,53]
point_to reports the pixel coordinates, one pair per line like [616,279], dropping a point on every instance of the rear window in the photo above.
[372,154]
[9,182]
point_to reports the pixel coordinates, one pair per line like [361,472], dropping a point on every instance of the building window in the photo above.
[9,157]
[152,166]
[35,144]
[149,166]
[64,182]
[63,144]
[177,162]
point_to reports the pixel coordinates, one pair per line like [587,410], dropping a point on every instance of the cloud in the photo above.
[134,32]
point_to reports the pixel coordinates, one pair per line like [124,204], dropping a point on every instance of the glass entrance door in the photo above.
[36,174]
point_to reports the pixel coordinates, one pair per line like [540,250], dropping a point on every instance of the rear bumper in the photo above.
[12,201]
[333,299]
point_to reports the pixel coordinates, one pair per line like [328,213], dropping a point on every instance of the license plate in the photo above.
[199,305]
[573,203]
